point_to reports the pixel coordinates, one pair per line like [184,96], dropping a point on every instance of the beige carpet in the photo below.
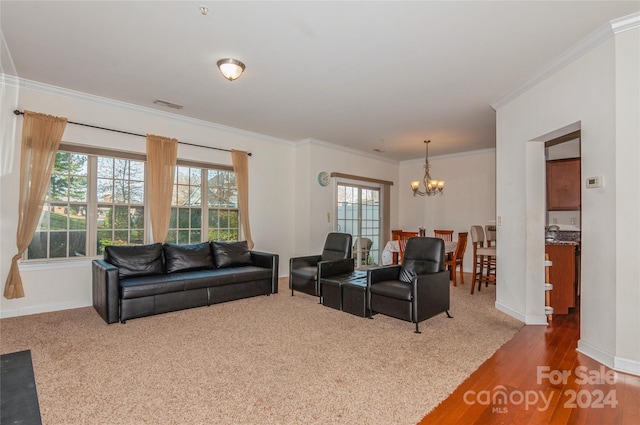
[264,360]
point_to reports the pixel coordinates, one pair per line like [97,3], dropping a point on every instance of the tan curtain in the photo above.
[241,170]
[162,154]
[41,136]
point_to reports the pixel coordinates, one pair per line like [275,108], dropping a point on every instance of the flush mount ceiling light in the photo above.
[230,68]
[432,187]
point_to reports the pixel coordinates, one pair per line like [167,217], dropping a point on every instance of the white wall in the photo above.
[68,284]
[315,201]
[287,206]
[627,161]
[585,94]
[469,196]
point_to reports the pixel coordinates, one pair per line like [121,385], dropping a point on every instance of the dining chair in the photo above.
[362,246]
[484,260]
[456,259]
[446,235]
[402,237]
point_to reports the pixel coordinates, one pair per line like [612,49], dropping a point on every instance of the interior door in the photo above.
[358,213]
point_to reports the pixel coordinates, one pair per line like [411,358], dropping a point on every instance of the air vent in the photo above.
[168,104]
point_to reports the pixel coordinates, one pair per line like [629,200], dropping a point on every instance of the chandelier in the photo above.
[431,186]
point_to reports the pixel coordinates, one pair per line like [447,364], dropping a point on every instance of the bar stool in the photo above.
[490,233]
[484,260]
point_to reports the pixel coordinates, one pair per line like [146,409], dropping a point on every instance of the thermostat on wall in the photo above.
[593,182]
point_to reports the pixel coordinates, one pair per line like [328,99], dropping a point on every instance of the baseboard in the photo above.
[615,363]
[595,353]
[627,366]
[44,308]
[528,319]
[536,319]
[508,310]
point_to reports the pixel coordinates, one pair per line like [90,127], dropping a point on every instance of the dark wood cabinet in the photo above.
[562,274]
[563,184]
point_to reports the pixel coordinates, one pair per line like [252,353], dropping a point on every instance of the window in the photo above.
[190,219]
[186,213]
[358,213]
[62,230]
[120,206]
[96,200]
[223,205]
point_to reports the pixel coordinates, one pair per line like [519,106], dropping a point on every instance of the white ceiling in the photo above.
[366,75]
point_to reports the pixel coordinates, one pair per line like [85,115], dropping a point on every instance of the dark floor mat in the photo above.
[18,395]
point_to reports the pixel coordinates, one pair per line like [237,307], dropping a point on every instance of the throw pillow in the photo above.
[135,260]
[181,258]
[231,254]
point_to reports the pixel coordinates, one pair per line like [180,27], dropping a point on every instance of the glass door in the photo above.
[358,213]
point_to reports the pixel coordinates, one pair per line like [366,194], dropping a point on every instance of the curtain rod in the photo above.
[18,112]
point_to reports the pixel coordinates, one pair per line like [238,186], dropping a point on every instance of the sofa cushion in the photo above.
[308,272]
[392,289]
[231,254]
[412,268]
[220,277]
[180,258]
[422,256]
[135,260]
[145,286]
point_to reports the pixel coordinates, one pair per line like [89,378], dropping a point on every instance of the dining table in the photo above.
[392,247]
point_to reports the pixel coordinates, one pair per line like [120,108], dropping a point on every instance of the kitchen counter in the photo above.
[572,243]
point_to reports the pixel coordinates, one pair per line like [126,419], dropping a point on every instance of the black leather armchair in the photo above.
[415,290]
[305,272]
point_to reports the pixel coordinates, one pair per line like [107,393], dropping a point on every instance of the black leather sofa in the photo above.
[142,280]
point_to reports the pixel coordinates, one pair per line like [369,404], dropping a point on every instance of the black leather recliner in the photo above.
[305,272]
[415,290]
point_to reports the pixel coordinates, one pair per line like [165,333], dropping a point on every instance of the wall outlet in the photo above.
[555,220]
[573,221]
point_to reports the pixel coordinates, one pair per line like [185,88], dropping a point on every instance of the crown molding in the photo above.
[597,37]
[625,23]
[452,155]
[73,94]
[9,80]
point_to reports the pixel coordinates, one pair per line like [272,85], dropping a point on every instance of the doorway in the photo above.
[358,213]
[563,219]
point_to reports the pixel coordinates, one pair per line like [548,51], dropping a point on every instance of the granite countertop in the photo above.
[565,238]
[574,243]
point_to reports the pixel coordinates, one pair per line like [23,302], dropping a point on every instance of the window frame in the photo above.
[204,207]
[92,200]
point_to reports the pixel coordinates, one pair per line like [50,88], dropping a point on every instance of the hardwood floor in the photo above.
[538,377]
